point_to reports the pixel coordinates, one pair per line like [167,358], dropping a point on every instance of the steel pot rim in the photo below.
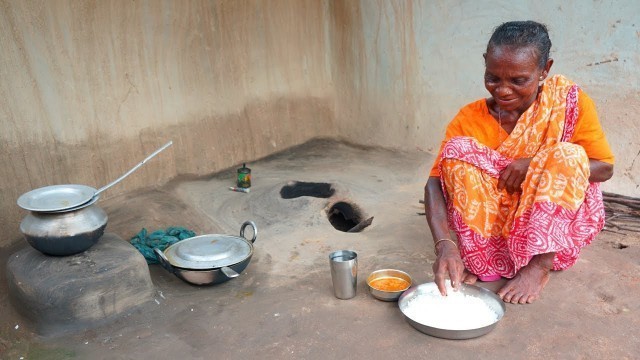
[213,268]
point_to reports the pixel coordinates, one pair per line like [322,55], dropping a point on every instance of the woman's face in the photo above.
[512,75]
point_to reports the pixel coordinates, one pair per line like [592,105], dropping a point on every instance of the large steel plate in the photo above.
[56,198]
[430,289]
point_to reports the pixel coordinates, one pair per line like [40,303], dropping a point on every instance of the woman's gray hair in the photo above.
[522,34]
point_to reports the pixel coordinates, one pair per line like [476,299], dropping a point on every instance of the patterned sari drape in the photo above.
[558,209]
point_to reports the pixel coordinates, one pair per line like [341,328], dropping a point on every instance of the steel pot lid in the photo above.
[56,198]
[208,252]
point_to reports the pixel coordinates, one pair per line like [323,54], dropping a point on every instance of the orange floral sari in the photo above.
[558,210]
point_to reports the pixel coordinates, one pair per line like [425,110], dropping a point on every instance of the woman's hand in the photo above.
[448,264]
[513,175]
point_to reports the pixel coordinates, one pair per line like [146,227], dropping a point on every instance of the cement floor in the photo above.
[282,306]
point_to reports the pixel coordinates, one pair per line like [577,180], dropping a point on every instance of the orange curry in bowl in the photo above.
[390,284]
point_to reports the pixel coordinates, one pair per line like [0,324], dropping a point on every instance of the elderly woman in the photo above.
[517,177]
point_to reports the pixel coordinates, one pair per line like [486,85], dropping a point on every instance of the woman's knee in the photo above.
[570,149]
[566,152]
[563,161]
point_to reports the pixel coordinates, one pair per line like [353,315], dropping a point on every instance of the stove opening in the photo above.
[297,189]
[347,217]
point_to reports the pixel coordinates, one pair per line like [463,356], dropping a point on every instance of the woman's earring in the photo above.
[541,77]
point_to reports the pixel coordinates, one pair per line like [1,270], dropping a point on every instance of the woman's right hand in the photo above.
[448,261]
[448,264]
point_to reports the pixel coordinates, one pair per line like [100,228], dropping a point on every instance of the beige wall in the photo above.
[89,88]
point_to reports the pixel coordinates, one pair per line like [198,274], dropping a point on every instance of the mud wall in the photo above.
[404,68]
[90,88]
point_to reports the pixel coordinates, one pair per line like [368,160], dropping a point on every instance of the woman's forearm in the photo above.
[436,209]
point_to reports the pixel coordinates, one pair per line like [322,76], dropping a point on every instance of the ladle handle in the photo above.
[133,169]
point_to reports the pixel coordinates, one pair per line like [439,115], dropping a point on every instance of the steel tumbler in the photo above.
[344,273]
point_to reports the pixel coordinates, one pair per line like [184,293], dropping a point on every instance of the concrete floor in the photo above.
[282,306]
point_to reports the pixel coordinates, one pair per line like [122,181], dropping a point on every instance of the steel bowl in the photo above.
[387,273]
[429,289]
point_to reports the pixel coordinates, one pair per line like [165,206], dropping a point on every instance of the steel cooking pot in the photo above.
[209,259]
[64,233]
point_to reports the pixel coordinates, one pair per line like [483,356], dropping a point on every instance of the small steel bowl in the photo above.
[388,273]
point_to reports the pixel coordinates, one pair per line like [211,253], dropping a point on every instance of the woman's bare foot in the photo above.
[528,283]
[469,278]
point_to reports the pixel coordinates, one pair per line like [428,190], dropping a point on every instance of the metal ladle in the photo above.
[62,198]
